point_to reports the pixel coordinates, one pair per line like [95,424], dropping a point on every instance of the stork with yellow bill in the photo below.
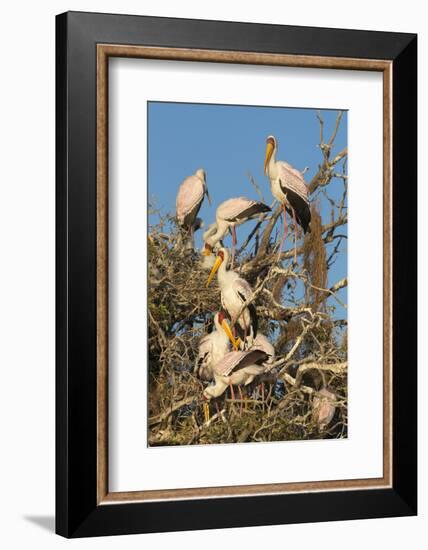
[235,293]
[229,214]
[289,188]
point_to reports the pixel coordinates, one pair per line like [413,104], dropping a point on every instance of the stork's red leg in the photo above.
[234,241]
[241,396]
[232,393]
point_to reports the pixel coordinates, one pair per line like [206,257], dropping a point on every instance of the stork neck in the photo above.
[217,324]
[272,163]
[210,231]
[273,156]
[222,270]
[216,234]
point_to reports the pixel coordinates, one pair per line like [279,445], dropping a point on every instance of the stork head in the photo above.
[201,174]
[221,255]
[208,250]
[221,316]
[270,148]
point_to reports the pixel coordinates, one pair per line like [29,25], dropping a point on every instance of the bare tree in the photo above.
[297,304]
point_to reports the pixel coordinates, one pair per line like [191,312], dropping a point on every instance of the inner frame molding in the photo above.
[103,53]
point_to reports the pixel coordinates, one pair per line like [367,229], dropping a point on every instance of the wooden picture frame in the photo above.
[84,43]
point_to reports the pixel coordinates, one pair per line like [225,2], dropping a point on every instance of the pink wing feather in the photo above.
[324,407]
[233,207]
[229,361]
[190,194]
[293,179]
[235,359]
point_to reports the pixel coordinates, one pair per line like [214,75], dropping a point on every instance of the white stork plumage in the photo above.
[289,188]
[262,343]
[229,214]
[189,199]
[235,291]
[235,369]
[207,260]
[214,346]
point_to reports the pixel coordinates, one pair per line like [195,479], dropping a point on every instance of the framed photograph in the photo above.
[236,274]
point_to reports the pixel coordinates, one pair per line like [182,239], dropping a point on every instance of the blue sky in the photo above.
[229,143]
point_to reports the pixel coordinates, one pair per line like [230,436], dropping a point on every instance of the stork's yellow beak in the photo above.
[269,151]
[228,331]
[214,270]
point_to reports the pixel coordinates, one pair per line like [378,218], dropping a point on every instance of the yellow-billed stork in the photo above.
[260,342]
[236,368]
[235,291]
[229,214]
[289,188]
[323,408]
[214,346]
[189,199]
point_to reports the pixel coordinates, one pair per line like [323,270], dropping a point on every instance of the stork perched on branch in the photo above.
[235,369]
[289,188]
[229,214]
[214,346]
[235,292]
[262,343]
[189,200]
